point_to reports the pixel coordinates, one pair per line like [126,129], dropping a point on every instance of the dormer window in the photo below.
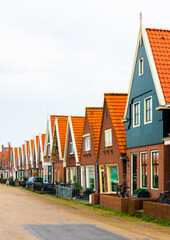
[141,66]
[108,137]
[87,142]
[71,148]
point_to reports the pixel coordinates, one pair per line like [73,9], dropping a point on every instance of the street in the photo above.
[26,215]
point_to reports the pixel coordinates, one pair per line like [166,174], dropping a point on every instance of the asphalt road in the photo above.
[25,215]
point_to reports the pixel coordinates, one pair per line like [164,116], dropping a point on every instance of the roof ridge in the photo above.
[116,94]
[158,29]
[94,107]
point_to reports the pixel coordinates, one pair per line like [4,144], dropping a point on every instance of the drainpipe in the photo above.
[79,174]
[97,177]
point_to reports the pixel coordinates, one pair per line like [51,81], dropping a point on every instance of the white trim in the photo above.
[87,175]
[86,135]
[87,148]
[137,125]
[143,33]
[145,122]
[82,177]
[108,176]
[152,172]
[108,132]
[141,169]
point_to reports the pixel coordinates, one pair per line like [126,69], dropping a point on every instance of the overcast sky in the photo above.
[60,56]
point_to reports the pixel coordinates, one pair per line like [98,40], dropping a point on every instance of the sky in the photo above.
[60,56]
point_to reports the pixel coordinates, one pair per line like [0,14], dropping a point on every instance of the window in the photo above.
[136,114]
[67,175]
[73,175]
[108,137]
[144,169]
[148,110]
[155,169]
[87,143]
[141,68]
[71,148]
[90,177]
[112,178]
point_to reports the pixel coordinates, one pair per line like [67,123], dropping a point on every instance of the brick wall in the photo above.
[154,193]
[157,210]
[116,203]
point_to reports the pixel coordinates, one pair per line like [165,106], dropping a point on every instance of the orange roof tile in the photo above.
[62,127]
[27,148]
[36,142]
[78,127]
[6,157]
[116,103]
[160,45]
[32,146]
[15,153]
[19,152]
[94,116]
[43,140]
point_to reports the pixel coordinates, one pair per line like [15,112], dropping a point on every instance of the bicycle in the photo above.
[122,189]
[163,198]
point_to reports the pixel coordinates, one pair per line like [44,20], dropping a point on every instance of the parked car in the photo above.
[34,180]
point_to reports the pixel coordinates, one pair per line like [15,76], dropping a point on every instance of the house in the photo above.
[5,165]
[40,155]
[23,160]
[48,164]
[58,147]
[35,156]
[112,146]
[75,127]
[147,113]
[90,144]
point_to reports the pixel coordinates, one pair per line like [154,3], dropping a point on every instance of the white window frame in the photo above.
[87,146]
[108,132]
[87,175]
[136,125]
[71,152]
[141,169]
[141,64]
[152,172]
[145,122]
[109,177]
[67,175]
[82,177]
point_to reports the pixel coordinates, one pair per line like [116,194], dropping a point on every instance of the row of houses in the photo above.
[127,138]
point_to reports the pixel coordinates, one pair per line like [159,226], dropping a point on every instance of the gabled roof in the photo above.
[52,121]
[94,116]
[15,156]
[31,147]
[43,140]
[36,143]
[78,127]
[61,129]
[116,103]
[159,40]
[157,46]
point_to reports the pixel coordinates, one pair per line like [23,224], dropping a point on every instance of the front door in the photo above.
[102,181]
[49,174]
[134,172]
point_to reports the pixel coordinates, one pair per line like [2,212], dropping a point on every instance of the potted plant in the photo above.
[142,193]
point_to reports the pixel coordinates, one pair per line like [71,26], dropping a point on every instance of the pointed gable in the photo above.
[116,103]
[78,127]
[94,116]
[62,128]
[159,40]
